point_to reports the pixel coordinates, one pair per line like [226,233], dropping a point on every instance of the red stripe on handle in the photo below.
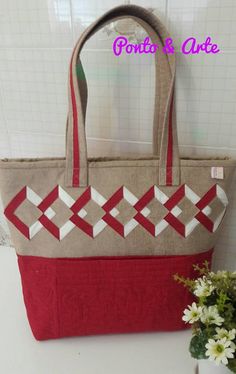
[76,158]
[170,148]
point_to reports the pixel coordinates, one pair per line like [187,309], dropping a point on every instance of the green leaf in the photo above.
[197,345]
[186,282]
[232,365]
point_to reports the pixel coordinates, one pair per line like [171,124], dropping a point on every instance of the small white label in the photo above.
[217,172]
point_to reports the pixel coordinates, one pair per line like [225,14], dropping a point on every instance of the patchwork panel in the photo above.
[110,218]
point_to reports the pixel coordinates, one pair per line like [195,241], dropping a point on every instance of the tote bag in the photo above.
[98,240]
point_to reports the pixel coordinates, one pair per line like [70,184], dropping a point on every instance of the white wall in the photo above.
[36,39]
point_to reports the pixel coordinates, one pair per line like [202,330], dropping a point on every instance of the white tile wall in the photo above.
[36,38]
[36,24]
[201,18]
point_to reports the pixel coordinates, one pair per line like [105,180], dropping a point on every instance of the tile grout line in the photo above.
[150,143]
[110,140]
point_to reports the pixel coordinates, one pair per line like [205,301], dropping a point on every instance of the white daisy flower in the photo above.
[203,287]
[219,351]
[223,333]
[192,314]
[211,316]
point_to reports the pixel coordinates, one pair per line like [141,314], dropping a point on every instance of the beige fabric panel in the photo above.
[106,177]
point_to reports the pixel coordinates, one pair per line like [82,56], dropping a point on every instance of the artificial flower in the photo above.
[203,287]
[192,314]
[210,316]
[220,274]
[213,337]
[219,350]
[223,333]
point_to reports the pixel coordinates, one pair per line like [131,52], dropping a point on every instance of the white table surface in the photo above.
[155,353]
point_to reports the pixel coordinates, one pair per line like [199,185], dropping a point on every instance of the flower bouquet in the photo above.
[212,316]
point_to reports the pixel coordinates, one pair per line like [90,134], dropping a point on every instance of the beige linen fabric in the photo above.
[106,177]
[135,177]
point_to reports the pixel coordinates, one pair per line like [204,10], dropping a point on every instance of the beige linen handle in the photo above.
[76,149]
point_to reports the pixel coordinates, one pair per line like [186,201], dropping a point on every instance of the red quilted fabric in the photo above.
[103,295]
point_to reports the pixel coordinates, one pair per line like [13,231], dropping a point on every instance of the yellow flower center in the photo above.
[220,348]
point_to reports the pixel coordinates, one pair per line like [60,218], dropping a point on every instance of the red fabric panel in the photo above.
[103,295]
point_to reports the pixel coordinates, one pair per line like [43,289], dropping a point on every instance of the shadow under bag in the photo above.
[85,269]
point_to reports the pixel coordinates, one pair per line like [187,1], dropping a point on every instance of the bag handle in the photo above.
[76,148]
[161,89]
